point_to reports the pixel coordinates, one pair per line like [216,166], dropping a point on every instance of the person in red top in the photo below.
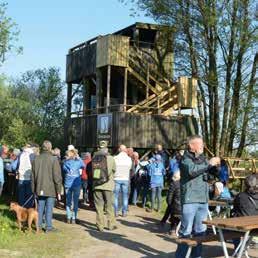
[86,157]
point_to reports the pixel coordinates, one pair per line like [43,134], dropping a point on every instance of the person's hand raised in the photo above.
[215,161]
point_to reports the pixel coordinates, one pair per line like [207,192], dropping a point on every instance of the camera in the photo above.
[211,174]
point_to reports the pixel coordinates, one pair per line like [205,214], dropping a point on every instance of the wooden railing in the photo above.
[240,168]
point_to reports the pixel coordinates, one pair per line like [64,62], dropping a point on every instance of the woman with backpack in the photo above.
[72,168]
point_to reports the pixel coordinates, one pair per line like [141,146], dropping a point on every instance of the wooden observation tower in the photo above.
[126,92]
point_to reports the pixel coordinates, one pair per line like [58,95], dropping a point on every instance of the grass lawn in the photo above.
[14,243]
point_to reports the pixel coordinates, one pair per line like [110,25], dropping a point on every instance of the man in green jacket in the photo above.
[103,193]
[46,183]
[194,168]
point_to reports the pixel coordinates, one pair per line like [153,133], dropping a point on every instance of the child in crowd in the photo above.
[173,199]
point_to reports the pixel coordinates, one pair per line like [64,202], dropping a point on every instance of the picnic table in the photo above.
[221,202]
[223,208]
[246,225]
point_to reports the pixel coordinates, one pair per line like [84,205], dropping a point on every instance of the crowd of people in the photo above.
[109,183]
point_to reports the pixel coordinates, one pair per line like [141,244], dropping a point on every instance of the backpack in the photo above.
[223,173]
[100,169]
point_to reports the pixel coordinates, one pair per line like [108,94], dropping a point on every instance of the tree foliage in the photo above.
[216,42]
[8,34]
[32,108]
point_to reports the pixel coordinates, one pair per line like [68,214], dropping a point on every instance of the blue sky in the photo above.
[49,28]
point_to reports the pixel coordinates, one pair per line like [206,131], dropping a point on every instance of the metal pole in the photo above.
[223,243]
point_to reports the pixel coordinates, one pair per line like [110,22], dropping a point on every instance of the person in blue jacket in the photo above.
[156,171]
[72,168]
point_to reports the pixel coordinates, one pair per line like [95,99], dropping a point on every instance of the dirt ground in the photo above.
[138,236]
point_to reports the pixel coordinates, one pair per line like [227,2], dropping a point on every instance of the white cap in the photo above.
[219,187]
[71,147]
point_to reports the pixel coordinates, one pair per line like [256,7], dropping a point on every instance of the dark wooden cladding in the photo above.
[134,130]
[81,63]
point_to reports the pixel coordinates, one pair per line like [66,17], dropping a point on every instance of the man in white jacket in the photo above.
[24,174]
[124,165]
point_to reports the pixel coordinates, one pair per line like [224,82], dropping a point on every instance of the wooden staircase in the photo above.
[161,93]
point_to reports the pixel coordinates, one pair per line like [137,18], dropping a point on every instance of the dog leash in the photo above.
[27,201]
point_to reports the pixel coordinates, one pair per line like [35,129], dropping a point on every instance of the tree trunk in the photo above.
[248,106]
[238,81]
[229,64]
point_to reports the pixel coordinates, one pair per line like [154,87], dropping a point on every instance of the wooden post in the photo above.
[108,87]
[86,96]
[98,88]
[69,99]
[125,89]
[148,81]
[159,111]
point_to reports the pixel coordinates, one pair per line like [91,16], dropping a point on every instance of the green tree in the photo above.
[215,41]
[8,34]
[32,108]
[42,91]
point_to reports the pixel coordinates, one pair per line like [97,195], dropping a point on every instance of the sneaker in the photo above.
[149,210]
[51,230]
[124,215]
[162,224]
[113,228]
[68,221]
[100,229]
[73,221]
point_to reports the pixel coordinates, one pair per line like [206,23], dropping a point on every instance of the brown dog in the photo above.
[23,215]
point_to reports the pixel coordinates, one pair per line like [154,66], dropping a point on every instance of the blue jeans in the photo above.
[122,185]
[156,194]
[25,193]
[72,194]
[45,208]
[193,214]
[144,188]
[85,190]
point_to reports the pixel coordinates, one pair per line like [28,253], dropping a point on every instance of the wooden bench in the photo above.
[194,241]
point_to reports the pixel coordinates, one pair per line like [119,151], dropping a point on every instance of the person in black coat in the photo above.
[174,200]
[246,203]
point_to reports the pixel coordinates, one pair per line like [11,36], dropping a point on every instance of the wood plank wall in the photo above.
[134,130]
[81,64]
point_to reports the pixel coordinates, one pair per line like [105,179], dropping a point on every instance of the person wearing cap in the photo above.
[103,193]
[72,182]
[156,171]
[70,147]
